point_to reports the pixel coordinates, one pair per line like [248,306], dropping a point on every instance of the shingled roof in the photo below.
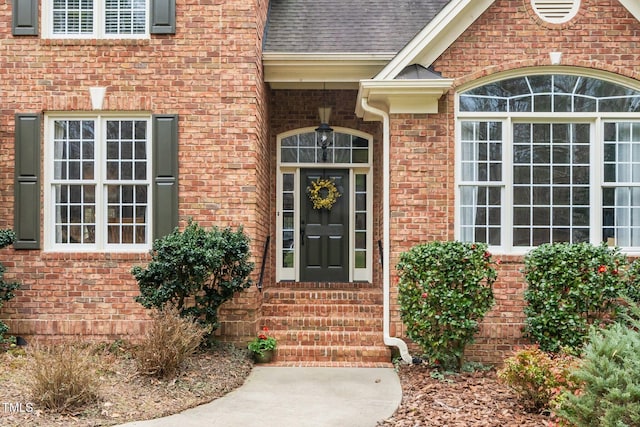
[346,26]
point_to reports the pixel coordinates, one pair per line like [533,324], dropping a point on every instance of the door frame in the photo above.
[293,170]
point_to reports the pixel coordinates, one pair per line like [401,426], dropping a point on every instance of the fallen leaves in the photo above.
[466,400]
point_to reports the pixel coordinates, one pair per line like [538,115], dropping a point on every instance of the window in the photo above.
[343,148]
[98,180]
[549,158]
[97,18]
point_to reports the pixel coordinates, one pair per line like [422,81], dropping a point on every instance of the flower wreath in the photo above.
[323,193]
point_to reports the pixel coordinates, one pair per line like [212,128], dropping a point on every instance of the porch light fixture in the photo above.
[324,131]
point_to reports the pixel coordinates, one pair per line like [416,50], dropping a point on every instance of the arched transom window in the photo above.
[549,158]
[341,148]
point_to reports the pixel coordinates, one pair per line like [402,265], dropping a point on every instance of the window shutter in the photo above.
[165,174]
[25,18]
[163,17]
[27,182]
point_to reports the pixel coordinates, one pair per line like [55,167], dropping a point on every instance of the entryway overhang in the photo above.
[417,96]
[321,70]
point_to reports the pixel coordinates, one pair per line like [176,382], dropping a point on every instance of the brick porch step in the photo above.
[315,337]
[332,353]
[326,323]
[340,323]
[305,309]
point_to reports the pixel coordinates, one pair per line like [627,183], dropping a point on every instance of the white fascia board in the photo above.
[633,6]
[437,36]
[321,70]
[419,96]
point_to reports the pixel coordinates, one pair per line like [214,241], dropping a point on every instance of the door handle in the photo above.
[302,228]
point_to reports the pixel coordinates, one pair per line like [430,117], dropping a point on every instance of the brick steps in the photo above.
[332,353]
[337,323]
[322,310]
[326,324]
[319,338]
[323,297]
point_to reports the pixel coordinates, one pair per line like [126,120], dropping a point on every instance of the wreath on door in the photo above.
[323,193]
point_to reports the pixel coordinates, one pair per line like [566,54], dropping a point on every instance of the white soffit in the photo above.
[321,70]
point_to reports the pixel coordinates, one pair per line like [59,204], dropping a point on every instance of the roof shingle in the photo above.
[346,26]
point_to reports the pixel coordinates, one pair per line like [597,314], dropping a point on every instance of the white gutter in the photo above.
[386,233]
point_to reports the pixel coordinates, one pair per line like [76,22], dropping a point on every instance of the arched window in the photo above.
[549,158]
[342,148]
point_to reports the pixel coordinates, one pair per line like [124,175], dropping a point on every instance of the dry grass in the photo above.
[123,394]
[63,377]
[168,343]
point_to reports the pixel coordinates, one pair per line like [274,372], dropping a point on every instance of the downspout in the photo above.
[386,233]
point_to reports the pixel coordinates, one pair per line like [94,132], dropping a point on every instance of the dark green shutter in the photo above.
[163,17]
[25,18]
[165,174]
[27,182]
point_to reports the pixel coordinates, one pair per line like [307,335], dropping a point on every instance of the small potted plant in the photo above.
[263,346]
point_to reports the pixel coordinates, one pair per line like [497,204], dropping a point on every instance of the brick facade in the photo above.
[210,74]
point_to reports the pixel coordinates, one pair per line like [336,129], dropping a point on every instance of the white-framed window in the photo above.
[348,149]
[549,158]
[97,183]
[96,18]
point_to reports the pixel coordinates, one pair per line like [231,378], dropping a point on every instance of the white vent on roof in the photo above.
[556,11]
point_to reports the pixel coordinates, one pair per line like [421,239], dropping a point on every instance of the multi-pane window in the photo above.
[360,247]
[74,188]
[551,164]
[342,148]
[96,18]
[100,182]
[481,165]
[621,189]
[288,217]
[551,185]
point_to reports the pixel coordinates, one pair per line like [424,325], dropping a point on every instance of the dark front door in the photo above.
[324,233]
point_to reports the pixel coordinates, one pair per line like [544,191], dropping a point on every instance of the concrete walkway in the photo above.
[298,397]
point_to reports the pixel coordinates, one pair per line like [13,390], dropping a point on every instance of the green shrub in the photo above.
[195,270]
[632,285]
[609,380]
[7,237]
[536,376]
[168,342]
[64,377]
[444,290]
[570,287]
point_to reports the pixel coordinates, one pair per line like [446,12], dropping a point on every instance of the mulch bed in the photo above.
[473,399]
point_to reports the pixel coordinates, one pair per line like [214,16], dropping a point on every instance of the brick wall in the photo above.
[508,36]
[210,74]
